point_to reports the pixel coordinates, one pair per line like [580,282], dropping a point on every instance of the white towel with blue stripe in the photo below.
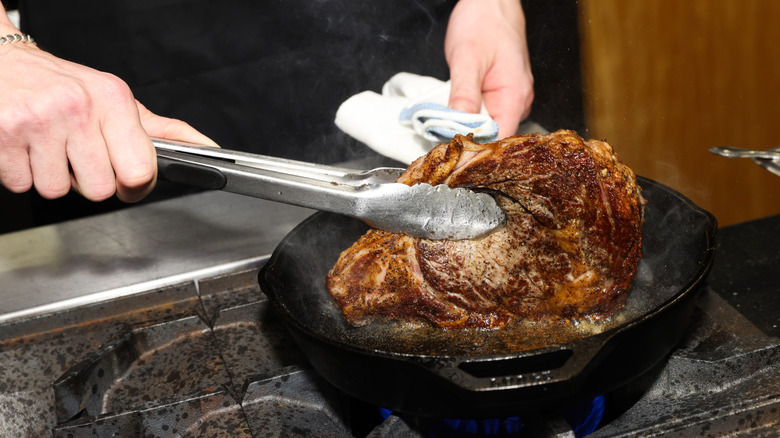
[410,117]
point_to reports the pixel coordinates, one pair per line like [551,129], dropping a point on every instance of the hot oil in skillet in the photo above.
[671,251]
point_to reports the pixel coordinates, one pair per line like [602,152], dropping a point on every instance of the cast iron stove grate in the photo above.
[209,358]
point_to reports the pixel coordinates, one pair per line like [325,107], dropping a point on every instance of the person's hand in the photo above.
[64,125]
[487,53]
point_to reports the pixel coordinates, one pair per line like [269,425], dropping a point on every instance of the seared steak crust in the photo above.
[570,247]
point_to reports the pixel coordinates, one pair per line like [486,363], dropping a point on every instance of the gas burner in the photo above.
[576,419]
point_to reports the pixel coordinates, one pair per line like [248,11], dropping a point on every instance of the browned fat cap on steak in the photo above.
[569,250]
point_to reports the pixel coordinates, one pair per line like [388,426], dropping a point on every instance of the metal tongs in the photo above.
[420,210]
[769,159]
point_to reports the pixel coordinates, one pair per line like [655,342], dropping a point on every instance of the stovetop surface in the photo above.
[746,271]
[205,356]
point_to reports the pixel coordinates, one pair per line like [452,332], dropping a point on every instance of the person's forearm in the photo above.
[514,10]
[499,11]
[510,10]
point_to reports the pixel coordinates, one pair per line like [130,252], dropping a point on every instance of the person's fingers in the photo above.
[66,125]
[70,140]
[135,164]
[171,129]
[507,120]
[509,106]
[466,84]
[90,164]
[46,148]
[49,167]
[15,172]
[130,151]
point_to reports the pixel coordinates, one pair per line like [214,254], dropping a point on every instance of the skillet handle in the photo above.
[519,371]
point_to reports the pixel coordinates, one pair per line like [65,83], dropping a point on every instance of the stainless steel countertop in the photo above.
[140,248]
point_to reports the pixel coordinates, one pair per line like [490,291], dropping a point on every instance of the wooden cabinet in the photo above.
[665,80]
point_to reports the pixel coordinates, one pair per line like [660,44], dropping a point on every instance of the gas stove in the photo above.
[150,322]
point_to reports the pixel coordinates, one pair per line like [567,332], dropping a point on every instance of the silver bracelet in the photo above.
[16,38]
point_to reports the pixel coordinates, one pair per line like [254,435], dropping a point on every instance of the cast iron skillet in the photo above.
[481,373]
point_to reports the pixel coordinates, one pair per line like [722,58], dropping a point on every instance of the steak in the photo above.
[569,250]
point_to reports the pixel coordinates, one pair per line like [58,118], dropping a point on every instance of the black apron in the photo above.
[259,76]
[262,76]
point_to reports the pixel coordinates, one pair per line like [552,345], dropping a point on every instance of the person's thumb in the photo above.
[466,92]
[171,129]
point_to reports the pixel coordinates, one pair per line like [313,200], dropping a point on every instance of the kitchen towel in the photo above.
[410,117]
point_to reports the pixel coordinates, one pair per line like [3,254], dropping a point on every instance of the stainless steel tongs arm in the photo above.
[769,159]
[282,165]
[276,179]
[420,210]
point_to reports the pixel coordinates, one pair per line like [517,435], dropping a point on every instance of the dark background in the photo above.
[316,59]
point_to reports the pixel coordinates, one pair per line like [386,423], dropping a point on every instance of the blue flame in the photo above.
[584,417]
[492,427]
